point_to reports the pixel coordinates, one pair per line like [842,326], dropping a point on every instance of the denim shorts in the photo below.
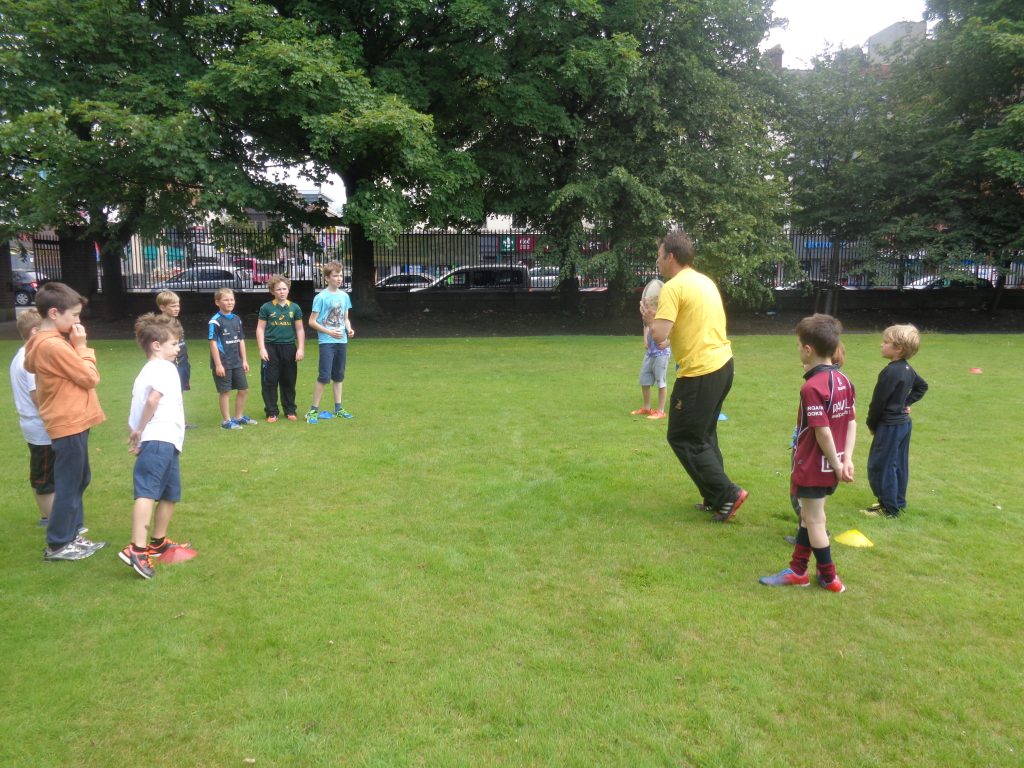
[158,472]
[653,371]
[233,378]
[332,363]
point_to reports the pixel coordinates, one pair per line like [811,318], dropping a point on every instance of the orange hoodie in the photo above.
[66,381]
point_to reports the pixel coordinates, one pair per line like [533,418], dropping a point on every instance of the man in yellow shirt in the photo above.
[691,316]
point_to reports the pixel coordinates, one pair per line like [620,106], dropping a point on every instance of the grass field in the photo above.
[494,565]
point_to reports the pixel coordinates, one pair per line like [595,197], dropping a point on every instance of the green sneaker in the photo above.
[311,417]
[341,413]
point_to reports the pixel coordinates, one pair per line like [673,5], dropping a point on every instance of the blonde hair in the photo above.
[331,266]
[152,327]
[906,338]
[273,280]
[223,291]
[28,320]
[166,298]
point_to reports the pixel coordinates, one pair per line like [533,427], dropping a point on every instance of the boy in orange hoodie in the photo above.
[66,379]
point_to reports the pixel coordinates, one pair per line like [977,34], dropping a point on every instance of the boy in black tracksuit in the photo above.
[898,388]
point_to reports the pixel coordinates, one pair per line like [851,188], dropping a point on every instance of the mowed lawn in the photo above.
[494,564]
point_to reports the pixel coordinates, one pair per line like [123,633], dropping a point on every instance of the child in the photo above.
[66,379]
[169,304]
[826,420]
[652,371]
[156,424]
[277,331]
[228,360]
[330,320]
[23,385]
[898,387]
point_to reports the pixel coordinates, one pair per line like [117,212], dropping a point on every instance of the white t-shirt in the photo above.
[168,423]
[22,384]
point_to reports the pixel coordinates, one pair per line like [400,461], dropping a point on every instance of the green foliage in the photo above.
[469,583]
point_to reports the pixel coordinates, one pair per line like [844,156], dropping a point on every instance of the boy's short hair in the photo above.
[273,280]
[223,291]
[58,296]
[821,333]
[152,327]
[331,266]
[166,298]
[906,337]
[28,320]
[679,244]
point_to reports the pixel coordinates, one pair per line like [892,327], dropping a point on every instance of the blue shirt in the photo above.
[226,330]
[331,308]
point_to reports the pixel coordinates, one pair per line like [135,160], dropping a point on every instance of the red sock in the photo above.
[827,572]
[801,557]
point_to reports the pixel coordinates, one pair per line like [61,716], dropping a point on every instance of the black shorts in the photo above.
[40,468]
[233,378]
[814,492]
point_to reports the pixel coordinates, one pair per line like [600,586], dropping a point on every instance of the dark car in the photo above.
[938,283]
[206,279]
[24,284]
[481,278]
[403,282]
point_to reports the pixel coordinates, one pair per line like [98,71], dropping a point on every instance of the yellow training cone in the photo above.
[854,538]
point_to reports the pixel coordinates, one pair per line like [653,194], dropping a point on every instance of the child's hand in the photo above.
[245,366]
[77,336]
[336,333]
[299,355]
[264,355]
[351,331]
[133,442]
[847,471]
[219,370]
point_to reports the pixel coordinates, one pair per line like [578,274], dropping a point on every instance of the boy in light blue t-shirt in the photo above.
[330,319]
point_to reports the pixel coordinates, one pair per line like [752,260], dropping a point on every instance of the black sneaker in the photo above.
[138,561]
[728,511]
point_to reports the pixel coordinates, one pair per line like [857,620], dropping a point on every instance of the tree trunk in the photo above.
[115,305]
[77,261]
[364,294]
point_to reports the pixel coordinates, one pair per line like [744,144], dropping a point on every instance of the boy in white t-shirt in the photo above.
[23,386]
[157,426]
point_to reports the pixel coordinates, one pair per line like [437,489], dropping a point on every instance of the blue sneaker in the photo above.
[311,417]
[324,415]
[246,421]
[229,424]
[341,413]
[785,578]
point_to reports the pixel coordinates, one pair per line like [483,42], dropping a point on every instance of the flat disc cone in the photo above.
[177,555]
[854,538]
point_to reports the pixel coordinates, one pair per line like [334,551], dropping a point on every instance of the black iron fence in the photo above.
[200,258]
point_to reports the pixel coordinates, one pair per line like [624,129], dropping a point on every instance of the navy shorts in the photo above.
[40,468]
[158,472]
[332,362]
[814,492]
[233,378]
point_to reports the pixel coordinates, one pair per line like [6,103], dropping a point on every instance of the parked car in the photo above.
[938,283]
[206,279]
[809,285]
[544,278]
[403,282]
[24,284]
[260,269]
[481,278]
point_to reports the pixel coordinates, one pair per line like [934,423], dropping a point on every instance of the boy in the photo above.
[228,359]
[169,304]
[330,320]
[826,432]
[23,386]
[156,425]
[898,387]
[278,329]
[652,372]
[66,379]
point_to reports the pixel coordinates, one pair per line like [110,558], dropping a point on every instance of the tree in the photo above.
[99,133]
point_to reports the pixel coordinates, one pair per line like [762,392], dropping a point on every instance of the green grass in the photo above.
[493,564]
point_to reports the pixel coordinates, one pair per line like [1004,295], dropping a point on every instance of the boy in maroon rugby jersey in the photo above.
[826,433]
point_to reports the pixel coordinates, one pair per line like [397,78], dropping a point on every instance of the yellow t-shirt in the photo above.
[692,302]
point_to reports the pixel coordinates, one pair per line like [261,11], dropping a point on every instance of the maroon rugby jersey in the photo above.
[826,400]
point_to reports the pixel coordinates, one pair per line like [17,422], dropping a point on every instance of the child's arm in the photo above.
[300,338]
[241,351]
[348,326]
[314,323]
[647,335]
[851,440]
[261,333]
[77,364]
[827,444]
[152,401]
[218,366]
[917,390]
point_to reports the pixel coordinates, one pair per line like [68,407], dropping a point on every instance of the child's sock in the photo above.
[826,568]
[138,550]
[801,552]
[155,542]
[337,406]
